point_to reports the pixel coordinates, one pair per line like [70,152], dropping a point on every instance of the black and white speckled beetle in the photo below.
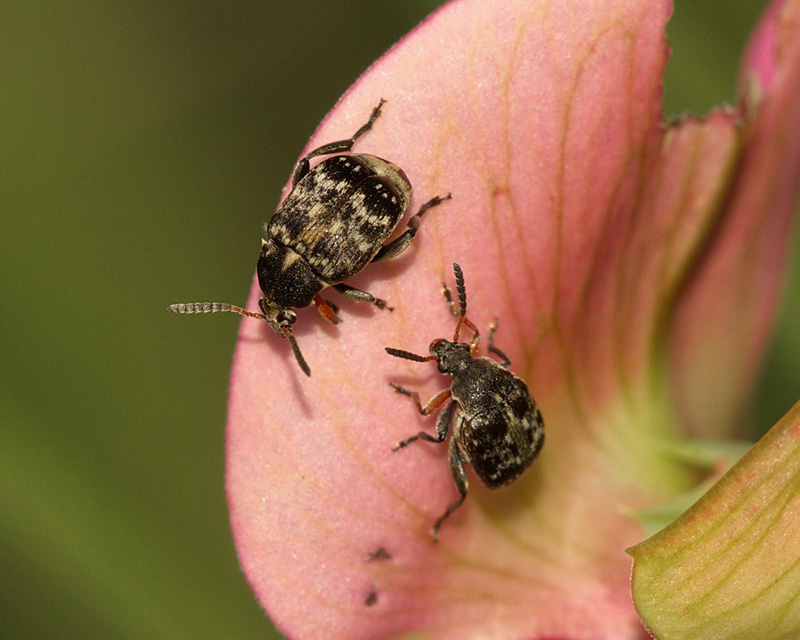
[333,223]
[497,426]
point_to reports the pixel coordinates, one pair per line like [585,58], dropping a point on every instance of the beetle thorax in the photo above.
[285,278]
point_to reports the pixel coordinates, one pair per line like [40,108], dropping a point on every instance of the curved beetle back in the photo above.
[339,215]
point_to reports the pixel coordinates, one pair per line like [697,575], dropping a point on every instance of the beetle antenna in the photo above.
[461,288]
[219,307]
[462,315]
[399,353]
[211,307]
[296,350]
[462,301]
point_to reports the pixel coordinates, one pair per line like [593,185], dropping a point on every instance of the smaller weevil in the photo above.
[333,223]
[497,426]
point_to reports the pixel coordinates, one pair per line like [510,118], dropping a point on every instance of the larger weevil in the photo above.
[333,223]
[497,426]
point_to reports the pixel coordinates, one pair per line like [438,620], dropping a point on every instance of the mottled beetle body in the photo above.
[320,235]
[333,223]
[497,426]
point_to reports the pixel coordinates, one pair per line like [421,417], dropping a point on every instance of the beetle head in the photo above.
[282,320]
[451,355]
[279,318]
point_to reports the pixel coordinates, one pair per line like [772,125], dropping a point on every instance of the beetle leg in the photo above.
[442,425]
[411,394]
[422,435]
[340,146]
[434,403]
[449,298]
[400,243]
[325,310]
[460,478]
[361,296]
[443,421]
[504,361]
[475,341]
[335,308]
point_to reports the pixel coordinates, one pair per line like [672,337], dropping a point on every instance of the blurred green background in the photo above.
[142,144]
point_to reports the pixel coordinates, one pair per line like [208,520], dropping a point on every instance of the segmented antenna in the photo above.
[462,290]
[219,307]
[462,301]
[462,315]
[212,307]
[399,353]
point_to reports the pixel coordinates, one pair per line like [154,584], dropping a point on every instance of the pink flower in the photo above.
[634,268]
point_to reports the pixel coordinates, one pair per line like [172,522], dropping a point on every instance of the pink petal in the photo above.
[725,311]
[535,116]
[759,59]
[543,120]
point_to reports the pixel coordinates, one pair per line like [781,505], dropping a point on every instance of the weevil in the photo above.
[497,426]
[334,222]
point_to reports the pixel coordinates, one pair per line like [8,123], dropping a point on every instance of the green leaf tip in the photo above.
[729,567]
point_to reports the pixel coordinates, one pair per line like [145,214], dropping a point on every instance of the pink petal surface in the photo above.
[576,219]
[725,313]
[759,60]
